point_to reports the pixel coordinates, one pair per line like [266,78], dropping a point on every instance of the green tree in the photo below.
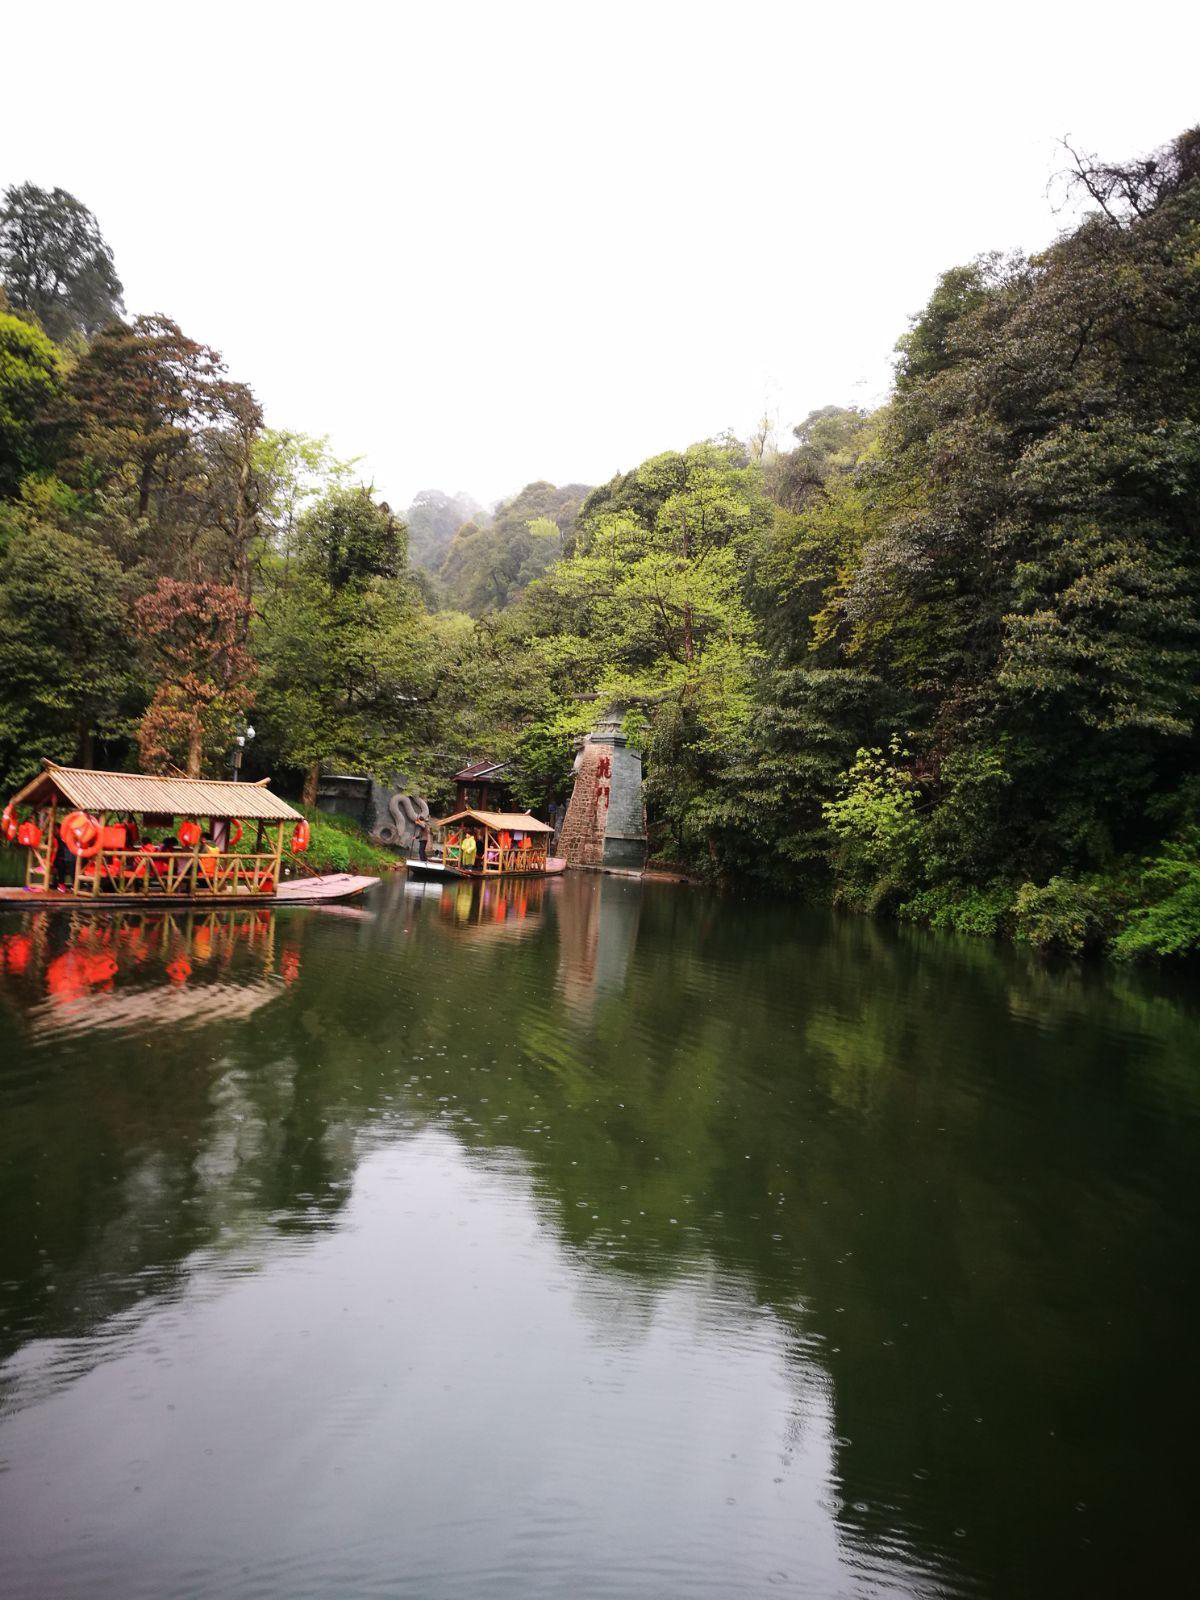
[66,673]
[347,658]
[55,262]
[31,378]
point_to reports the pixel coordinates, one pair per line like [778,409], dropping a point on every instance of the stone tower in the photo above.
[605,824]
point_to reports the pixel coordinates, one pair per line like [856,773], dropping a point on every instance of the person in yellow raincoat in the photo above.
[469,848]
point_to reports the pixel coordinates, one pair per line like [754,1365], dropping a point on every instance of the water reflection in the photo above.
[507,907]
[671,1246]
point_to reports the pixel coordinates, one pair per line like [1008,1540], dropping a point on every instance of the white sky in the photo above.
[485,243]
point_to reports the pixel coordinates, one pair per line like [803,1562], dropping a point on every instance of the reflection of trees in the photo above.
[947,1172]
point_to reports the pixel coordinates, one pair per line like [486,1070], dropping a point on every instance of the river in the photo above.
[589,1239]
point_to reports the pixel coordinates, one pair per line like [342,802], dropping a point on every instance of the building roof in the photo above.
[140,792]
[479,771]
[514,821]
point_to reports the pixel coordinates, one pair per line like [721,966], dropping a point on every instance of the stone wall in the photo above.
[581,842]
[605,825]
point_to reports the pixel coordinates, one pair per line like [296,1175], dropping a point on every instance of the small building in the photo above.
[481,786]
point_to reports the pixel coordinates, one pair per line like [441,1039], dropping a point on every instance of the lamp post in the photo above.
[239,746]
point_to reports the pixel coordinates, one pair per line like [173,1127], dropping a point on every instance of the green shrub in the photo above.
[962,908]
[1169,925]
[1067,914]
[877,829]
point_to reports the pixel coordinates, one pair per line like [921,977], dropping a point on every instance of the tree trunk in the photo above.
[688,646]
[85,746]
[195,750]
[311,778]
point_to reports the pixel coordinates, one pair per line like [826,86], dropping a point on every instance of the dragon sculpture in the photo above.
[404,810]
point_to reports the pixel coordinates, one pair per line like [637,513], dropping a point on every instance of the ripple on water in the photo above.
[640,1243]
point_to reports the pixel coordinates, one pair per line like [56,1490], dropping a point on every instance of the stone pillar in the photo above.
[605,825]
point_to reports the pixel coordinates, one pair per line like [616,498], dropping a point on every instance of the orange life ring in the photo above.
[29,834]
[265,883]
[8,821]
[189,834]
[81,834]
[235,834]
[301,835]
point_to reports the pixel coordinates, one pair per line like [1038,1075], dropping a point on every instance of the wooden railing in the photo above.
[495,860]
[177,872]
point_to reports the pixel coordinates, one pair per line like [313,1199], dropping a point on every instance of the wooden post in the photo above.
[51,843]
[193,870]
[278,853]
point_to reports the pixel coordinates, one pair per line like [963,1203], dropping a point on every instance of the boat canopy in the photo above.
[513,821]
[125,792]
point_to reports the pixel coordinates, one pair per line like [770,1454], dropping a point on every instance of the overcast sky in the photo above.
[480,244]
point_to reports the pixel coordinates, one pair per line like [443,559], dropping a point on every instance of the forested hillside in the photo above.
[940,660]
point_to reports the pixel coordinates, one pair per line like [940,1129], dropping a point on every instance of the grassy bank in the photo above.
[340,845]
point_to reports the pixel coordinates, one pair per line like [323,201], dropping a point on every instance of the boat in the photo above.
[104,820]
[513,844]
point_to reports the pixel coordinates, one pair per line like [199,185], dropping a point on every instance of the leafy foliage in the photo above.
[1169,923]
[31,371]
[1066,914]
[55,262]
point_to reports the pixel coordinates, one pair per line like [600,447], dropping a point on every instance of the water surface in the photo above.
[588,1239]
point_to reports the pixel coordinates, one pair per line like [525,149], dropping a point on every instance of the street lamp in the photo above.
[239,745]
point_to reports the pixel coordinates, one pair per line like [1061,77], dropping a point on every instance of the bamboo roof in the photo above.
[514,821]
[141,792]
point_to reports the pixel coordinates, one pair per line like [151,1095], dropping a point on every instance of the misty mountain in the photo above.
[433,519]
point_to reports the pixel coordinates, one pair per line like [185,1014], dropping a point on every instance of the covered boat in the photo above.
[506,844]
[99,826]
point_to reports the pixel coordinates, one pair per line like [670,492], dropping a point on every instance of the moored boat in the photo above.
[503,844]
[87,837]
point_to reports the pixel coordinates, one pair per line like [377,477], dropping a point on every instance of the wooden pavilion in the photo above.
[108,821]
[509,844]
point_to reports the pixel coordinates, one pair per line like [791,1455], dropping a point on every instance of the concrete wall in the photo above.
[382,809]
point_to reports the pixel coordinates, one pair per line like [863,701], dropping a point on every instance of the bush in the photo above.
[1066,914]
[877,829]
[962,908]
[1170,924]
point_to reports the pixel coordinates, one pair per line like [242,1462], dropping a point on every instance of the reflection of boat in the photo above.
[112,968]
[507,909]
[101,818]
[511,844]
[159,1007]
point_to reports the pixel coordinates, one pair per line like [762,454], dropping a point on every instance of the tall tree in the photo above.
[193,636]
[55,262]
[161,433]
[346,668]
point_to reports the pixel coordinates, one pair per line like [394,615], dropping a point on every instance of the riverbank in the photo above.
[338,844]
[1145,912]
